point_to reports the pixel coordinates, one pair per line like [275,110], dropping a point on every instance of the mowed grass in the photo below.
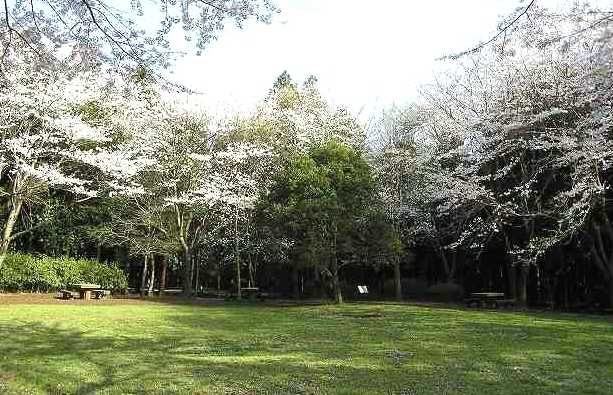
[353,349]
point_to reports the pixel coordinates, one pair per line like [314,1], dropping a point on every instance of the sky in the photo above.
[366,54]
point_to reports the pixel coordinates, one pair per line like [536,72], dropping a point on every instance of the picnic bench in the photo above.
[84,291]
[250,292]
[101,293]
[67,294]
[488,299]
[172,291]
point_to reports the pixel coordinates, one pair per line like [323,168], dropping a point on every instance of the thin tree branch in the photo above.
[502,31]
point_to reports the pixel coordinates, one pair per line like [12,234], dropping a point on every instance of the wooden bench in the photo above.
[101,293]
[489,299]
[268,295]
[506,302]
[172,291]
[66,294]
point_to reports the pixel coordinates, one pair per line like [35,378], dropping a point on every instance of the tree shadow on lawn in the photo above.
[52,359]
[545,314]
[515,351]
[241,349]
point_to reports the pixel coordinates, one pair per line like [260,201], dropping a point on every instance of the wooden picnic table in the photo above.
[85,290]
[250,292]
[492,299]
[487,295]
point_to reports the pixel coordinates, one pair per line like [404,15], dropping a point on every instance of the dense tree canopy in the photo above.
[497,178]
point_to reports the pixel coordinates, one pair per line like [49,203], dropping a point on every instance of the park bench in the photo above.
[488,299]
[85,290]
[268,295]
[250,293]
[101,293]
[66,294]
[172,291]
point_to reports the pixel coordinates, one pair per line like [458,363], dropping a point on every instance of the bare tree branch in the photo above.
[501,32]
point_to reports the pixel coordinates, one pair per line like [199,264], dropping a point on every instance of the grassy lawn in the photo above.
[354,349]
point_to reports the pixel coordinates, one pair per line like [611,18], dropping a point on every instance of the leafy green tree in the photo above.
[318,200]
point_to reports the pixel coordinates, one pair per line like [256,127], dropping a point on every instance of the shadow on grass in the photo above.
[56,360]
[457,307]
[243,349]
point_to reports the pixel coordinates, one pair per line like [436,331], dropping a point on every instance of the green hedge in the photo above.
[23,272]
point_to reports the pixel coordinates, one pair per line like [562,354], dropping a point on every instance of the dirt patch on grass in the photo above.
[51,298]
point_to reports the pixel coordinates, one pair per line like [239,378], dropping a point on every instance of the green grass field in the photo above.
[354,349]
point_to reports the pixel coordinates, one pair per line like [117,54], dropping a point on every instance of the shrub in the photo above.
[415,287]
[411,287]
[23,272]
[446,292]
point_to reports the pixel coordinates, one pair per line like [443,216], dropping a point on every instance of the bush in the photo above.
[446,292]
[411,287]
[23,272]
[414,287]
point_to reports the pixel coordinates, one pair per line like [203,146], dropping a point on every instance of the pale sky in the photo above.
[367,54]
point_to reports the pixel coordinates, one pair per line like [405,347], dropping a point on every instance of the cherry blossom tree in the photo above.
[135,33]
[46,140]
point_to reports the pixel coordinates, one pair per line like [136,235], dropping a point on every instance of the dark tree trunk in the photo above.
[397,278]
[8,229]
[295,275]
[512,274]
[336,284]
[319,286]
[187,274]
[452,268]
[197,268]
[143,279]
[237,258]
[151,276]
[602,253]
[523,285]
[163,269]
[251,270]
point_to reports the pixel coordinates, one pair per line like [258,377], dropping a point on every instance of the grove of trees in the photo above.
[497,178]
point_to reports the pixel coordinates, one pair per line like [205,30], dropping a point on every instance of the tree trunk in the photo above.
[197,266]
[295,287]
[8,229]
[187,273]
[143,279]
[602,254]
[163,274]
[397,278]
[452,267]
[151,276]
[444,262]
[320,289]
[237,258]
[523,286]
[336,285]
[251,280]
[512,274]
